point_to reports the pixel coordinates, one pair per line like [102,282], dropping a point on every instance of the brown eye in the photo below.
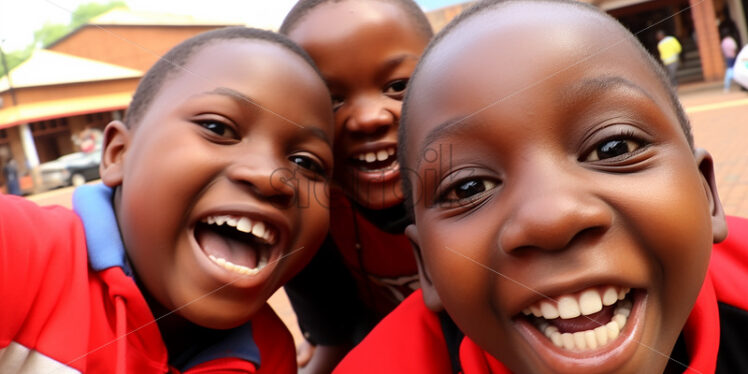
[337,102]
[219,128]
[308,163]
[613,148]
[396,88]
[467,189]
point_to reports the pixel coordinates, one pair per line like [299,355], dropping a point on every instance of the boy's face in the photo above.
[366,52]
[222,185]
[563,181]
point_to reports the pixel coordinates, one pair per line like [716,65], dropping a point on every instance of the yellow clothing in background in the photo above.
[669,48]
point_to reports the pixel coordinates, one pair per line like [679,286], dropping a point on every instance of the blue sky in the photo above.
[19,18]
[436,4]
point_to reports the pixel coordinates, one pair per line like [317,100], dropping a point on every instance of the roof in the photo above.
[39,111]
[126,17]
[133,18]
[46,67]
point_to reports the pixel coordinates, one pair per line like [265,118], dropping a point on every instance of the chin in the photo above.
[217,317]
[380,197]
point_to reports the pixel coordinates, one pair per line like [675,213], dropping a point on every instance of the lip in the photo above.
[277,250]
[602,359]
[374,176]
[378,176]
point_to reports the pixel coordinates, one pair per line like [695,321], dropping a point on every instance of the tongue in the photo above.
[238,252]
[583,323]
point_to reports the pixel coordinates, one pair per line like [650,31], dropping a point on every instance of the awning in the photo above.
[66,107]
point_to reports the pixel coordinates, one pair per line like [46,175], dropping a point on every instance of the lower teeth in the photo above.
[228,265]
[589,339]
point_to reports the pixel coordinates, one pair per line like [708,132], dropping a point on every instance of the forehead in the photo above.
[523,52]
[272,76]
[354,21]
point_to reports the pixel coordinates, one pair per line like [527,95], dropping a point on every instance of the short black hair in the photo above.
[411,9]
[174,61]
[486,5]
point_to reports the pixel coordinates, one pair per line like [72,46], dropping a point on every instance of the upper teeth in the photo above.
[380,155]
[244,224]
[587,302]
[588,339]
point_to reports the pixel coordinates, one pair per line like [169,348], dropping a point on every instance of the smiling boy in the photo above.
[366,51]
[216,182]
[570,231]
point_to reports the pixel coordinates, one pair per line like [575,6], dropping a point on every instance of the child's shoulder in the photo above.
[408,340]
[32,234]
[729,264]
[42,265]
[278,353]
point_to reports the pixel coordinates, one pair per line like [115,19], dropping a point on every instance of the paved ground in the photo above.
[720,125]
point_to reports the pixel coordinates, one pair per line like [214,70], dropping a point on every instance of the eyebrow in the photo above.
[381,71]
[394,62]
[316,133]
[595,85]
[444,129]
[248,101]
[589,86]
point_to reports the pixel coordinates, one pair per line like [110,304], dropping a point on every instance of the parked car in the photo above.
[740,69]
[73,169]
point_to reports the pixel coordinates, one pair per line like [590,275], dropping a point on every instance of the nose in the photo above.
[265,180]
[369,117]
[552,210]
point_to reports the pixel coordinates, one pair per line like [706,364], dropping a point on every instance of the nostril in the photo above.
[281,201]
[276,186]
[521,237]
[370,117]
[587,236]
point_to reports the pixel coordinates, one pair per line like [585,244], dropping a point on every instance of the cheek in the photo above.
[461,262]
[395,107]
[158,197]
[677,224]
[312,224]
[672,222]
[313,220]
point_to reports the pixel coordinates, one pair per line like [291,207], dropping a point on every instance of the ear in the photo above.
[116,142]
[706,167]
[430,296]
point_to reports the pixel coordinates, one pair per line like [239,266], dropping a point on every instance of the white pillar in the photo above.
[29,148]
[737,15]
[32,158]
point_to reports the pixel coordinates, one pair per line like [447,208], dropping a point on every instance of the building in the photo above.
[84,80]
[696,23]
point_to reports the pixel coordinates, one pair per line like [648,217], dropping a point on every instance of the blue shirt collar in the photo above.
[93,204]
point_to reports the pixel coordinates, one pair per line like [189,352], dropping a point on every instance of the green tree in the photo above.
[15,58]
[51,32]
[85,12]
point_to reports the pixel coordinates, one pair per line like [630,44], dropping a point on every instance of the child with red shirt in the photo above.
[167,265]
[571,230]
[366,51]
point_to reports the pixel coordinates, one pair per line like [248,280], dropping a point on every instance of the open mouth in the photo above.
[582,321]
[380,160]
[238,244]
